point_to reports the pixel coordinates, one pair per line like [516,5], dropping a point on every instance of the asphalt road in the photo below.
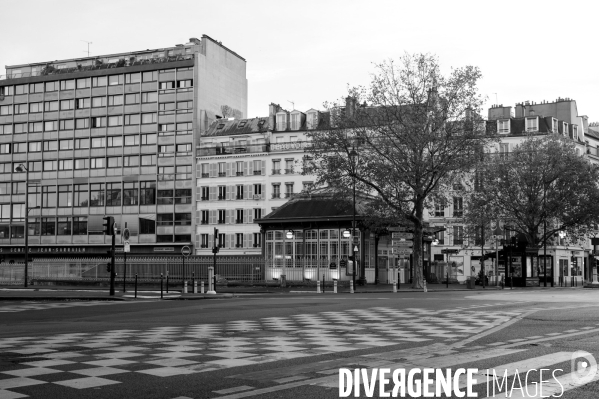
[290,345]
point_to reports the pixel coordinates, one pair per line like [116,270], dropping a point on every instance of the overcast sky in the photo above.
[308,51]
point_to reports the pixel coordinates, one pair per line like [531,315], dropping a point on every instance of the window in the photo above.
[82,164]
[458,235]
[565,130]
[166,106]
[166,85]
[440,236]
[50,166]
[98,102]
[84,83]
[7,90]
[166,173]
[35,146]
[504,150]
[81,144]
[131,140]
[554,125]
[67,84]
[205,170]
[132,98]
[257,213]
[116,120]
[239,216]
[20,109]
[115,80]
[49,196]
[20,89]
[276,190]
[147,226]
[148,160]
[18,187]
[133,77]
[147,194]
[166,150]
[114,162]
[99,81]
[65,196]
[98,142]
[239,192]
[295,121]
[150,76]
[276,167]
[82,123]
[98,163]
[115,100]
[149,97]
[282,121]
[148,139]
[185,83]
[575,132]
[204,193]
[166,127]
[48,226]
[183,149]
[4,148]
[440,206]
[68,124]
[66,105]
[52,86]
[130,190]
[18,148]
[164,219]
[131,160]
[204,241]
[96,194]
[65,144]
[289,166]
[183,172]
[458,210]
[184,105]
[51,106]
[182,219]
[99,121]
[222,192]
[36,107]
[222,214]
[288,190]
[81,196]
[79,225]
[184,128]
[6,129]
[50,126]
[148,118]
[257,240]
[532,124]
[113,194]
[83,103]
[36,88]
[50,145]
[6,110]
[65,164]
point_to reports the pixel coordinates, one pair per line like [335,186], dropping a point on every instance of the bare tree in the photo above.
[405,137]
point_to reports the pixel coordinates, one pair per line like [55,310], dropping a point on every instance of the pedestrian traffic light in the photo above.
[108,225]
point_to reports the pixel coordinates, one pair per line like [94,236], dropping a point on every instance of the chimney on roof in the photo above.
[194,40]
[272,112]
[350,106]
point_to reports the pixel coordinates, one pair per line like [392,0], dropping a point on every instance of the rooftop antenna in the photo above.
[292,104]
[88,43]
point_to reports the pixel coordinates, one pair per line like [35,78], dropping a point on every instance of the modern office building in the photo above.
[110,135]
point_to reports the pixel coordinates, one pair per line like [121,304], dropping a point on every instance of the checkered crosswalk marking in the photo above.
[55,305]
[97,359]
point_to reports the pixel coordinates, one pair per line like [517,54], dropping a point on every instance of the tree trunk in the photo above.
[417,253]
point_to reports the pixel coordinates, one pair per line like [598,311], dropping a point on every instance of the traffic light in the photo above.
[108,225]
[215,250]
[108,267]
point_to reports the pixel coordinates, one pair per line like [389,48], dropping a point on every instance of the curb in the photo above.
[60,298]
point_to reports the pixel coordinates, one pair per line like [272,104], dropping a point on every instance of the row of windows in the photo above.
[166,129]
[100,81]
[230,216]
[248,191]
[180,172]
[105,194]
[458,207]
[236,240]
[95,142]
[94,102]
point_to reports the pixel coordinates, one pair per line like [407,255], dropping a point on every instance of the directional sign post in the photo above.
[407,244]
[402,236]
[402,251]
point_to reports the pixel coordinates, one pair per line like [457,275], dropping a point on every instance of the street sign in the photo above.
[450,251]
[127,247]
[402,251]
[356,248]
[402,243]
[126,234]
[405,229]
[405,236]
[186,251]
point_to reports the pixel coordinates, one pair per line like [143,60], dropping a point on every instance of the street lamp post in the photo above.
[20,169]
[353,156]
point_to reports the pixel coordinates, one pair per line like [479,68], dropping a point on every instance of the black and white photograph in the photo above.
[299,199]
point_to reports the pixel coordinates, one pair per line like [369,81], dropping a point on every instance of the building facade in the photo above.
[110,135]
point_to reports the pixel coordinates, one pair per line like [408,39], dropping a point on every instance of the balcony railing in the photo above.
[257,172]
[204,222]
[252,148]
[239,197]
[257,196]
[239,173]
[205,175]
[238,245]
[204,198]
[288,171]
[276,195]
[220,221]
[239,221]
[221,197]
[288,195]
[222,174]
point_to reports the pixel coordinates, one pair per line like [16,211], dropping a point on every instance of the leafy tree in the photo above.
[543,180]
[403,138]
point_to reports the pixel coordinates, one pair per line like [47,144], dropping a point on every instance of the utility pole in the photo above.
[88,43]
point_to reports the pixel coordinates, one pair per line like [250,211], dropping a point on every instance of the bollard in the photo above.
[136,285]
[351,286]
[195,287]
[161,295]
[447,282]
[185,287]
[425,289]
[318,286]
[202,287]
[323,283]
[211,281]
[398,281]
[334,286]
[394,286]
